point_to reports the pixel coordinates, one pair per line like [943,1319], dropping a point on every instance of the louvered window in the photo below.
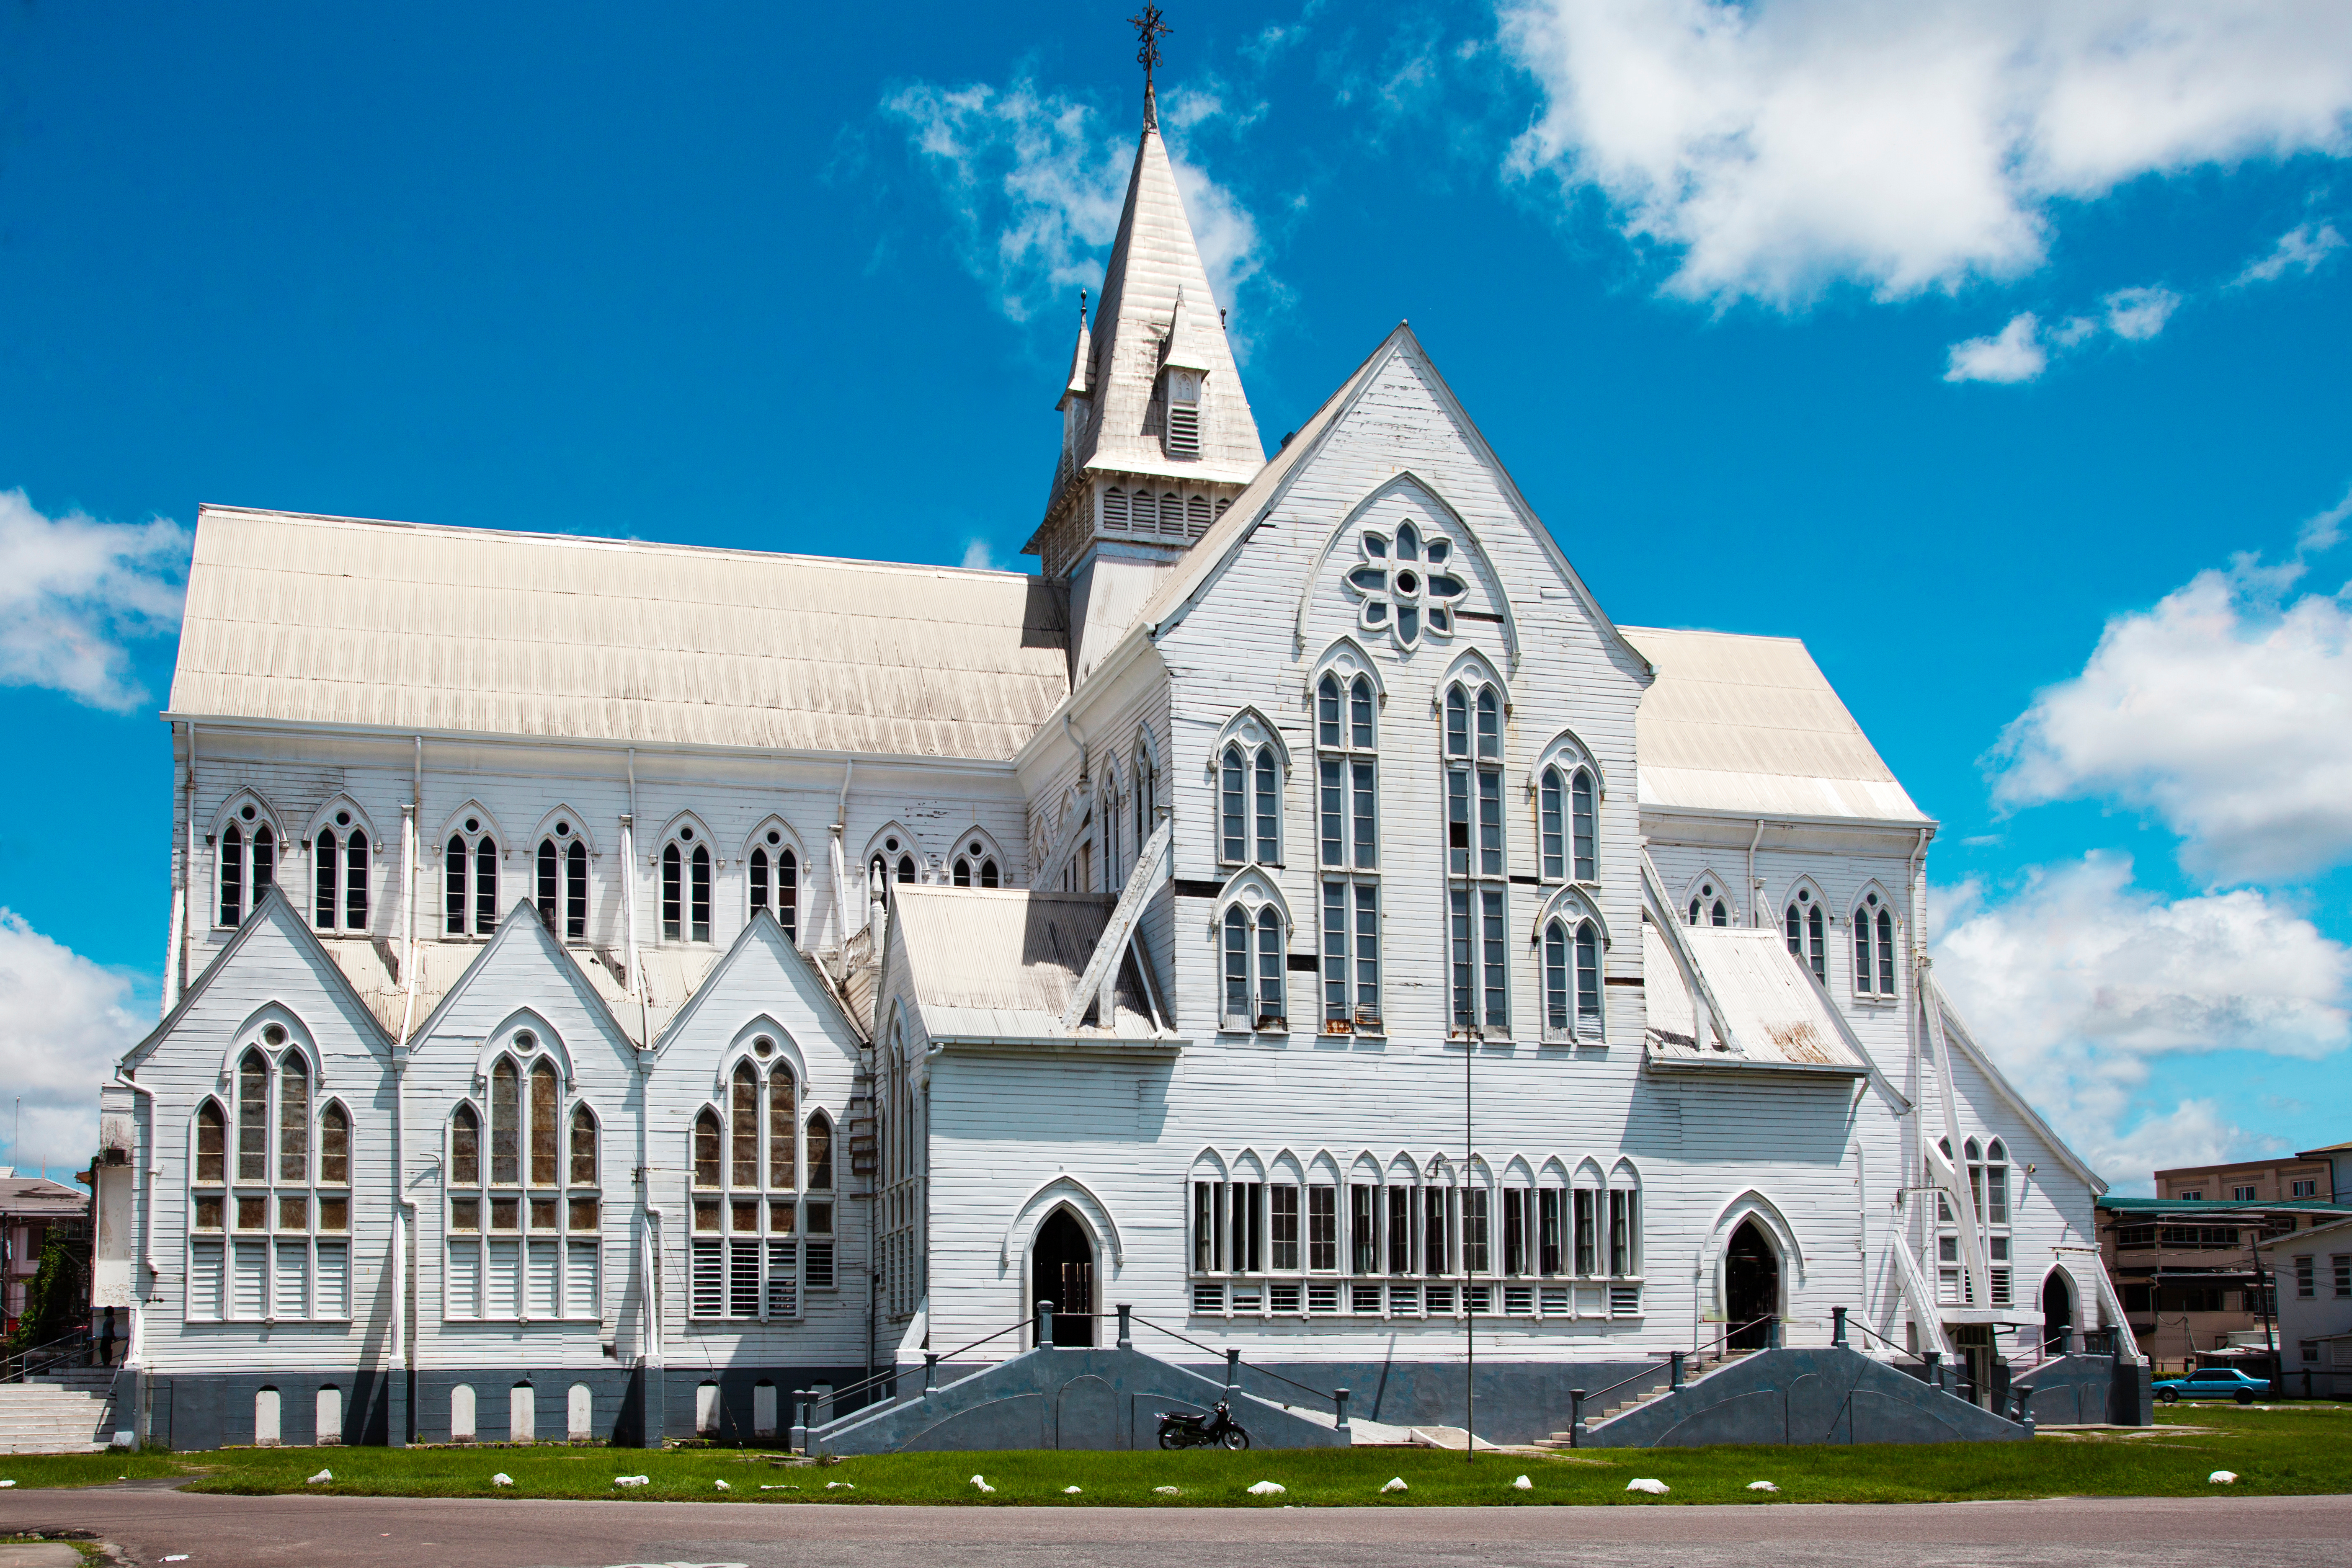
[538,1258]
[1196,517]
[1114,510]
[287,1144]
[746,1200]
[1171,516]
[1183,414]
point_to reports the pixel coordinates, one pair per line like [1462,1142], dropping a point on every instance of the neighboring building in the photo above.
[2305,1178]
[612,983]
[2314,1271]
[2187,1268]
[32,1209]
[2339,1169]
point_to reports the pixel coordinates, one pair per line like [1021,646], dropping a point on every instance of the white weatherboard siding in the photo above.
[636,692]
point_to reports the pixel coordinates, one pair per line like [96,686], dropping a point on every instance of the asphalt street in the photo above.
[152,1525]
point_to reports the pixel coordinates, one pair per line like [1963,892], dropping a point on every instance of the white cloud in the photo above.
[2077,981]
[976,557]
[2015,355]
[2225,710]
[60,1032]
[1777,146]
[2322,530]
[2140,314]
[1036,182]
[74,591]
[2305,246]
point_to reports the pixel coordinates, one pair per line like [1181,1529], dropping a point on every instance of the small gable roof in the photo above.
[760,935]
[986,964]
[271,912]
[521,924]
[1774,1015]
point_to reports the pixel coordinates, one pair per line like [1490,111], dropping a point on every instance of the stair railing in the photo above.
[67,1350]
[1579,1398]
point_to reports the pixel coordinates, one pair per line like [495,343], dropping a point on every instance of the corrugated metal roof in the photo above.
[327,620]
[989,963]
[1775,1011]
[35,1197]
[1750,727]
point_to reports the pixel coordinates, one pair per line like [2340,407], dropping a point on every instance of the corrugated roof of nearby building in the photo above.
[1748,726]
[34,1197]
[2212,1206]
[346,621]
[1002,963]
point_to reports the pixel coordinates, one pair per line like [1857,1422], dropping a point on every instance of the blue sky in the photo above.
[1952,339]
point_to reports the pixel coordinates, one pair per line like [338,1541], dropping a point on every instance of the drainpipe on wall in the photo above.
[172,993]
[841,906]
[399,1369]
[1753,909]
[629,910]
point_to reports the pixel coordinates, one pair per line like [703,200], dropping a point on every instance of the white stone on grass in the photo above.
[1396,1484]
[502,1480]
[982,1485]
[849,1485]
[2223,1477]
[631,1480]
[1523,1484]
[722,1485]
[1166,1491]
[321,1478]
[1762,1486]
[1068,1491]
[1268,1488]
[1646,1484]
[7,1483]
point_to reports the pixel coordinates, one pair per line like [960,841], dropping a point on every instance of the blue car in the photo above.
[2212,1383]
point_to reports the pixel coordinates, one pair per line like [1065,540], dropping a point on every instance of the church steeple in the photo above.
[1157,431]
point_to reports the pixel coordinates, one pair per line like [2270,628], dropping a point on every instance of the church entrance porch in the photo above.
[1062,1270]
[1751,1288]
[2057,1313]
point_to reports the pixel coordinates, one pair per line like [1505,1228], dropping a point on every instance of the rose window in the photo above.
[1406,584]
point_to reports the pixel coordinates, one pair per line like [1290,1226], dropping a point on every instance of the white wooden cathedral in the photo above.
[613,984]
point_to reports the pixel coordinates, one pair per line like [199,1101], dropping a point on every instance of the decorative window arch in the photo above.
[978,862]
[341,843]
[1473,711]
[772,874]
[246,844]
[1985,1167]
[469,872]
[523,1176]
[1624,1238]
[894,852]
[270,1187]
[1251,765]
[1805,923]
[1569,790]
[1708,900]
[1253,926]
[1875,929]
[1345,696]
[561,866]
[1147,784]
[1573,940]
[688,864]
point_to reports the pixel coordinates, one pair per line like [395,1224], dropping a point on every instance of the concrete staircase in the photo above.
[1694,1370]
[59,1413]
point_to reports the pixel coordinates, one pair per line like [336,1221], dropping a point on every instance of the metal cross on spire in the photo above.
[1149,30]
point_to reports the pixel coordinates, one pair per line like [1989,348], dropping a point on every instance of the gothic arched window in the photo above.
[1478,892]
[339,867]
[1347,785]
[563,883]
[245,863]
[469,880]
[775,880]
[1874,948]
[1801,926]
[685,887]
[526,1245]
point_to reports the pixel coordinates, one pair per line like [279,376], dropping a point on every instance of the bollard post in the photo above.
[1232,1369]
[931,1373]
[1339,1399]
[1576,1419]
[1772,1334]
[1935,1369]
[1125,1328]
[2066,1340]
[1675,1375]
[1837,1325]
[800,1421]
[1044,1324]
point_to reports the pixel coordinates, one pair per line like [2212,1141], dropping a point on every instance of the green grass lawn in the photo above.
[2299,1449]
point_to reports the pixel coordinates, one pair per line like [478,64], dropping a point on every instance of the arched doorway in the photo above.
[1751,1288]
[1062,1270]
[2057,1311]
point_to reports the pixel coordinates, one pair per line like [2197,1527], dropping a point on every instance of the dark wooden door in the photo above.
[1062,1270]
[1751,1288]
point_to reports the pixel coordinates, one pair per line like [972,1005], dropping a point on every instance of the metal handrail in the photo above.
[18,1365]
[879,1378]
[1269,1372]
[1668,1357]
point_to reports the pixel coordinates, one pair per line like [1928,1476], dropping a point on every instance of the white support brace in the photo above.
[1707,1014]
[1943,1171]
[1923,1314]
[1095,986]
[1049,870]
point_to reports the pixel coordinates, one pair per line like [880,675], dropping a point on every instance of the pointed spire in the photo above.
[1081,359]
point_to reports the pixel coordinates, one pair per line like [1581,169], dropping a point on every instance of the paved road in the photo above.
[150,1523]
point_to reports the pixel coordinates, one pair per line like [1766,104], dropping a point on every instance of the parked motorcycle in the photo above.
[1216,1429]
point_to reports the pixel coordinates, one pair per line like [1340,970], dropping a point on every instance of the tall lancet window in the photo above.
[756,1244]
[339,867]
[1347,786]
[1478,894]
[563,883]
[685,887]
[469,880]
[244,860]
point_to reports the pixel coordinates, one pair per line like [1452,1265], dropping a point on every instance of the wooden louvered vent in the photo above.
[1183,414]
[1114,510]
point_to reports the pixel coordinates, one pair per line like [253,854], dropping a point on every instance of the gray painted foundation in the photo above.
[1802,1397]
[213,1411]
